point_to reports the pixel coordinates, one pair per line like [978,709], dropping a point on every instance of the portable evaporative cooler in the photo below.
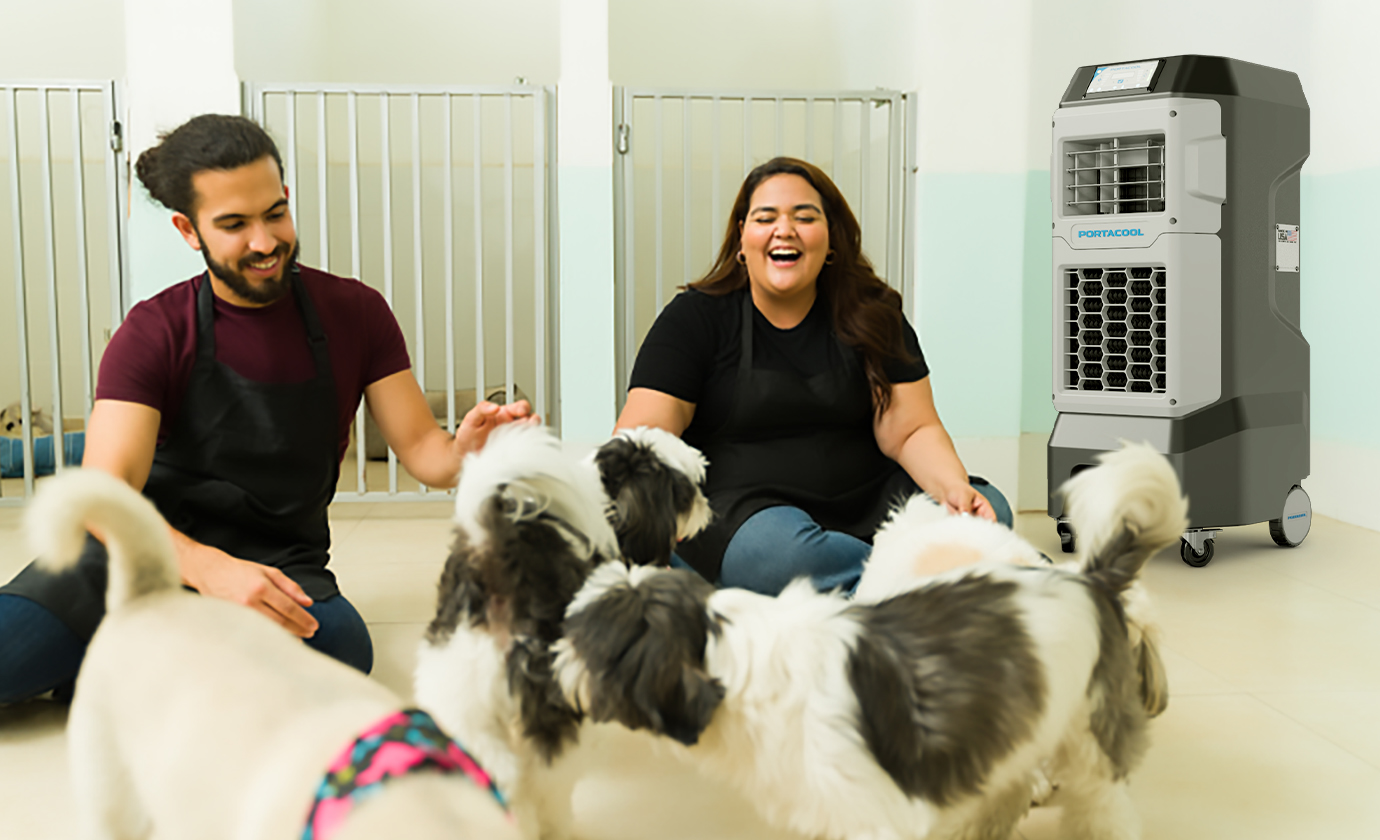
[1176,286]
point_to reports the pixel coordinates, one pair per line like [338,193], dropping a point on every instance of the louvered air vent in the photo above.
[1114,175]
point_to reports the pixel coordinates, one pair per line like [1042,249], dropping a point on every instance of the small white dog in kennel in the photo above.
[532,521]
[198,718]
[929,713]
[12,421]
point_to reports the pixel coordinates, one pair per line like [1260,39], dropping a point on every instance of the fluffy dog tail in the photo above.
[525,467]
[142,560]
[652,479]
[1124,511]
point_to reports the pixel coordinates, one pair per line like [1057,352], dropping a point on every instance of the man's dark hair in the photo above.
[210,141]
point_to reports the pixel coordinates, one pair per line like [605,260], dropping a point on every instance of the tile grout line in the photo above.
[1343,747]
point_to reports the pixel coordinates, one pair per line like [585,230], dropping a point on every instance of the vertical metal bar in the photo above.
[20,298]
[715,178]
[630,241]
[835,172]
[747,135]
[539,248]
[386,209]
[910,215]
[113,209]
[685,165]
[290,177]
[352,132]
[508,351]
[810,129]
[479,372]
[780,125]
[864,161]
[417,236]
[386,194]
[660,213]
[624,270]
[50,253]
[419,303]
[83,275]
[553,262]
[893,180]
[448,220]
[322,174]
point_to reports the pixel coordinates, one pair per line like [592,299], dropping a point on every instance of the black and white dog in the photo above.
[532,521]
[928,713]
[653,480]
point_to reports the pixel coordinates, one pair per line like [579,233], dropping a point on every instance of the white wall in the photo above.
[762,44]
[62,39]
[402,42]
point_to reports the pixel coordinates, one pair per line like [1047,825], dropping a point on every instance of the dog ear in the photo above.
[547,718]
[643,653]
[530,562]
[646,496]
[461,595]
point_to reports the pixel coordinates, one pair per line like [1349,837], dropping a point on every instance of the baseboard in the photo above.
[1345,482]
[1034,487]
[996,459]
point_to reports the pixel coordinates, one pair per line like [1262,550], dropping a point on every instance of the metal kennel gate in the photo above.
[62,263]
[418,191]
[682,156]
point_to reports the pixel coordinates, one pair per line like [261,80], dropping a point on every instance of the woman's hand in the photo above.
[962,498]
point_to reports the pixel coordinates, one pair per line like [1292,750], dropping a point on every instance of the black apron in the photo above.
[791,440]
[249,468]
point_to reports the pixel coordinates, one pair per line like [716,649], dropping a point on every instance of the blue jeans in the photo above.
[779,544]
[39,653]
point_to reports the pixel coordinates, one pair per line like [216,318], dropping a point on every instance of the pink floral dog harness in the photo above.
[401,743]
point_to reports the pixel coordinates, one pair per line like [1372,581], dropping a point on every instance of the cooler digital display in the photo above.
[1119,77]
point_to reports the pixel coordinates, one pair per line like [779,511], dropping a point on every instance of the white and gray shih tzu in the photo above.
[930,708]
[532,522]
[654,483]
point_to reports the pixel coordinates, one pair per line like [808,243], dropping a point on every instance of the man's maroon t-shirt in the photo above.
[149,359]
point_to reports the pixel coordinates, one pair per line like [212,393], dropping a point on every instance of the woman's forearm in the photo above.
[929,458]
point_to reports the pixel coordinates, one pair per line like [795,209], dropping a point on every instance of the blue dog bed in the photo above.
[12,454]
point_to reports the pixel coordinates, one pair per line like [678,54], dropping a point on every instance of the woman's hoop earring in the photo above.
[742,258]
[829,257]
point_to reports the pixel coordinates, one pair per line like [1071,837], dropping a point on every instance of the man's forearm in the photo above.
[434,459]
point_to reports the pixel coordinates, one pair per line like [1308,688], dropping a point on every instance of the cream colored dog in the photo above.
[198,718]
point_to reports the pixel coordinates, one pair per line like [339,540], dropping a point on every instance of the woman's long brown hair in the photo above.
[866,311]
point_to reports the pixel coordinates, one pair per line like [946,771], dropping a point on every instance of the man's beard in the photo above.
[266,292]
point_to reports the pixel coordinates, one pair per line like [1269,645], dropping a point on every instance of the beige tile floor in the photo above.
[1272,732]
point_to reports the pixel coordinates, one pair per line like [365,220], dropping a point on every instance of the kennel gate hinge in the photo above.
[624,131]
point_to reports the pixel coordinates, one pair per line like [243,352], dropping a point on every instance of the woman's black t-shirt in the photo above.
[693,349]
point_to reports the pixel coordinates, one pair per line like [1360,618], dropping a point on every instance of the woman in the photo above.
[793,369]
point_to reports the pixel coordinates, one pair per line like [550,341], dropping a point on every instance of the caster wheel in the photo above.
[1192,557]
[1292,525]
[1066,540]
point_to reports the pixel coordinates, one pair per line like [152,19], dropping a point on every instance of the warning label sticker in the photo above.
[1287,248]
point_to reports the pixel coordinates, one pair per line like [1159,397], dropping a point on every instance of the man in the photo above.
[227,399]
